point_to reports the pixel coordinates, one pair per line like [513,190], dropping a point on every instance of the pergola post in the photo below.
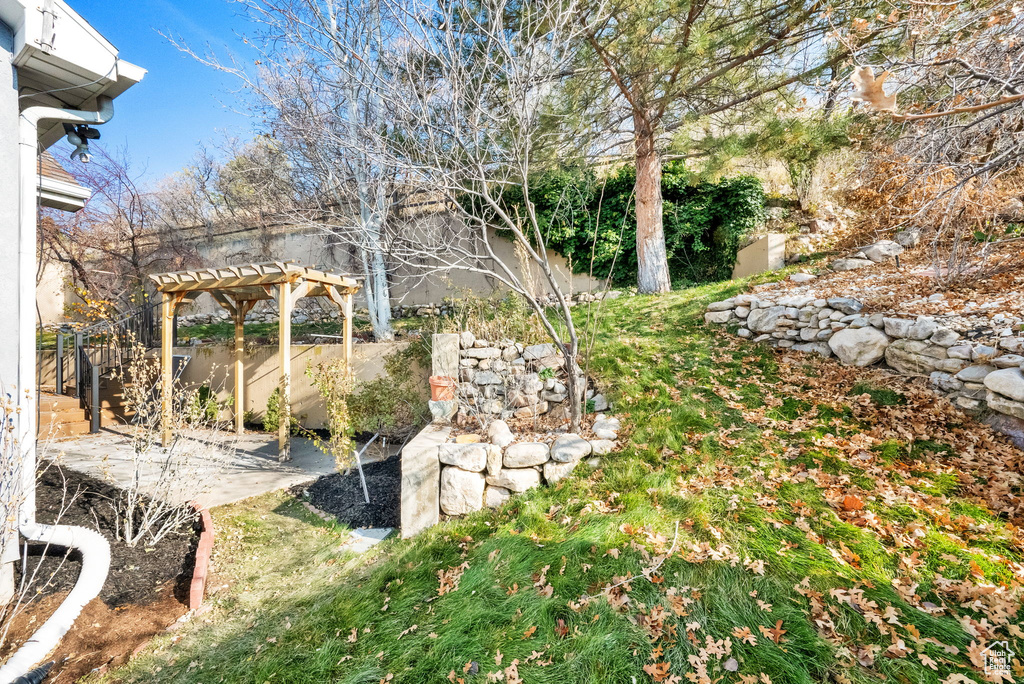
[346,333]
[284,427]
[167,308]
[239,316]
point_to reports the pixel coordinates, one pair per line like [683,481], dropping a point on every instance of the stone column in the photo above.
[444,355]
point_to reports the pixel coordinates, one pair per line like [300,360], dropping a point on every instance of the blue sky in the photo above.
[180,103]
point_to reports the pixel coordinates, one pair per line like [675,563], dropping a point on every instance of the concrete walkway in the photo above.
[213,468]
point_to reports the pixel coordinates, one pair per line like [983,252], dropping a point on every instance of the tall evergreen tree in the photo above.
[665,64]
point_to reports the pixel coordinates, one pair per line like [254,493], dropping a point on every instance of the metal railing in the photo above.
[99,349]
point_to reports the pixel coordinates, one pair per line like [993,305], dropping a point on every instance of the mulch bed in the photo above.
[146,589]
[341,495]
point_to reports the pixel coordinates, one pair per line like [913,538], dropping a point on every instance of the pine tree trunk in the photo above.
[652,261]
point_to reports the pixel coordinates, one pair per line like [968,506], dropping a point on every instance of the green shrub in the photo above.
[584,217]
[272,416]
[395,401]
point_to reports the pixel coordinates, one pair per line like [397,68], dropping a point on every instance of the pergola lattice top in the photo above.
[254,281]
[238,289]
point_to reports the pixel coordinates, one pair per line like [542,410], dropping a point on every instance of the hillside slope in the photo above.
[763,522]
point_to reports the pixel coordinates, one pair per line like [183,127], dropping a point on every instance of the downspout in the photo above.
[94,548]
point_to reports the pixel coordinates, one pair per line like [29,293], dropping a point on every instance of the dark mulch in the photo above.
[136,573]
[146,590]
[341,495]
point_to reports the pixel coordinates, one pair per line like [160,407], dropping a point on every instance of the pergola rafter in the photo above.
[238,289]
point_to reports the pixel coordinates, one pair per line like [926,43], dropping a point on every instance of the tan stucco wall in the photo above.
[214,365]
[409,285]
[765,254]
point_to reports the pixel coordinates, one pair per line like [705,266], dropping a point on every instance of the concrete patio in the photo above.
[212,468]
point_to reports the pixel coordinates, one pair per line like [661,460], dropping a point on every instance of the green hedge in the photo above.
[704,221]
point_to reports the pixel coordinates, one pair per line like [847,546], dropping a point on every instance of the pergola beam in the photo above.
[237,289]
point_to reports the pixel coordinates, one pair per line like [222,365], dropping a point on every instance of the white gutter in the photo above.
[94,548]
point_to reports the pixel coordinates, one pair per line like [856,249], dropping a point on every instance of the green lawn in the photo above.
[762,523]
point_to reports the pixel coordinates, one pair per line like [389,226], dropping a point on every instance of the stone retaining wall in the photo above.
[976,376]
[478,474]
[506,379]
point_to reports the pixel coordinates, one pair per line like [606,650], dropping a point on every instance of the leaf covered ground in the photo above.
[767,520]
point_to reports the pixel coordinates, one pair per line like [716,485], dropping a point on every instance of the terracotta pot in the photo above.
[442,388]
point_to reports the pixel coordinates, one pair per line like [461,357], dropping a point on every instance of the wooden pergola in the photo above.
[238,289]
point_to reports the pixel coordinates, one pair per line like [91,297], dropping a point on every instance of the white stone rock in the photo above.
[539,351]
[1008,361]
[916,357]
[1008,382]
[525,454]
[984,353]
[961,351]
[517,480]
[724,305]
[859,346]
[494,459]
[486,377]
[569,447]
[847,305]
[742,311]
[718,317]
[553,471]
[975,373]
[945,381]
[801,277]
[600,403]
[882,250]
[601,447]
[482,353]
[462,492]
[999,403]
[944,337]
[471,457]
[466,339]
[744,333]
[897,327]
[496,496]
[765,320]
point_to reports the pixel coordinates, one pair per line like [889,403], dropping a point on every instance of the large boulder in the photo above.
[1008,382]
[496,496]
[998,402]
[471,457]
[525,454]
[765,320]
[917,357]
[461,492]
[882,250]
[553,471]
[718,317]
[859,346]
[515,479]
[570,447]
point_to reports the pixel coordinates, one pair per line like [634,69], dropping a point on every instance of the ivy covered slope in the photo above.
[762,523]
[705,221]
